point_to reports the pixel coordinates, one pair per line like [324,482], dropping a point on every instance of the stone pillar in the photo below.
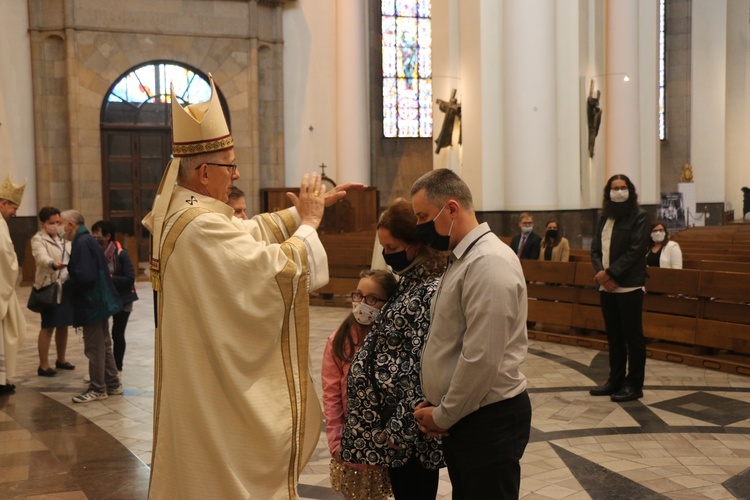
[622,114]
[352,127]
[446,75]
[708,103]
[16,102]
[530,104]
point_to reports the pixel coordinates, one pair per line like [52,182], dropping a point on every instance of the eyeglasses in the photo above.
[231,166]
[370,300]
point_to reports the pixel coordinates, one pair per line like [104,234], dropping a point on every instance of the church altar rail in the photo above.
[691,316]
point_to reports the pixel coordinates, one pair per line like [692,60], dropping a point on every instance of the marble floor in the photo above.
[688,438]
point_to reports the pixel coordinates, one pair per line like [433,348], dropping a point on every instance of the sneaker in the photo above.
[87,378]
[116,390]
[90,396]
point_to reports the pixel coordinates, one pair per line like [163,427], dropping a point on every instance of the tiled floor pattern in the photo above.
[689,437]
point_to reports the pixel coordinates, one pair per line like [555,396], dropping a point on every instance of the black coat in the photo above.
[124,277]
[530,249]
[627,249]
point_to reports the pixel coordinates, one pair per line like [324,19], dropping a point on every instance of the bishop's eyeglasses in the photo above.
[231,166]
[370,300]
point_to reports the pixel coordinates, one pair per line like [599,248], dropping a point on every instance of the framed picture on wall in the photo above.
[672,211]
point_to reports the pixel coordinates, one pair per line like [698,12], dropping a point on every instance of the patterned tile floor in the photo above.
[689,437]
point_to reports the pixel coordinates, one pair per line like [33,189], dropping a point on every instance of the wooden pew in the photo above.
[716,265]
[692,316]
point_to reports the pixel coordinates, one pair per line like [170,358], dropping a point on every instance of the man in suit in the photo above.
[526,244]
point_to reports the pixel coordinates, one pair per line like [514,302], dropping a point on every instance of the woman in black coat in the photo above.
[618,253]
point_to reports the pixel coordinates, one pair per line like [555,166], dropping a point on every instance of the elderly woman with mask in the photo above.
[383,385]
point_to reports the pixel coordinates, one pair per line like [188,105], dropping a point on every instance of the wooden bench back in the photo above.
[697,309]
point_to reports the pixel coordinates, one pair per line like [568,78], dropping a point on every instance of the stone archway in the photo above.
[136,139]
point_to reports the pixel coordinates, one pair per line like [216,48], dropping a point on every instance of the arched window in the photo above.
[142,96]
[407,68]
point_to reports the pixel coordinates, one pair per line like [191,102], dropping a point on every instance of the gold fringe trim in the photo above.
[372,483]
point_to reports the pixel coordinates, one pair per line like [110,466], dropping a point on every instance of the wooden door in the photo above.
[133,161]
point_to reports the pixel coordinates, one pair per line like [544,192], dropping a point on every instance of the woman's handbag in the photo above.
[45,297]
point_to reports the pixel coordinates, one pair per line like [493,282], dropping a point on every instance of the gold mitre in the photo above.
[12,192]
[200,127]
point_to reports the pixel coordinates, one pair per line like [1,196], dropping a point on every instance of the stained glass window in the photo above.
[662,71]
[141,95]
[407,68]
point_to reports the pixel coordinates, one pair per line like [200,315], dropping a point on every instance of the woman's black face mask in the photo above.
[397,260]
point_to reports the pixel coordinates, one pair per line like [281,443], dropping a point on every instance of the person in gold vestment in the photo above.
[12,322]
[235,411]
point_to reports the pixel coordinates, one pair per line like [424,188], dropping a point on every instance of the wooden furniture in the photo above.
[691,316]
[357,212]
[347,233]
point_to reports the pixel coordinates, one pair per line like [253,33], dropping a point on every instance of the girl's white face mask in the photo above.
[658,236]
[363,313]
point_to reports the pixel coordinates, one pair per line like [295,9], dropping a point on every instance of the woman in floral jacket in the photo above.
[384,385]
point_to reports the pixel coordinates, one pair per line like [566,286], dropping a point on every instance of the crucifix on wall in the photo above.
[452,110]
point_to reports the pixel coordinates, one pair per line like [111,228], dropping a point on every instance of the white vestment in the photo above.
[12,322]
[235,411]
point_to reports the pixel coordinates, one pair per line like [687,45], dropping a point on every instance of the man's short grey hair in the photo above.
[74,216]
[441,185]
[188,164]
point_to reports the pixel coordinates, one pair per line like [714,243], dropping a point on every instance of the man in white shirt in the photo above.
[476,394]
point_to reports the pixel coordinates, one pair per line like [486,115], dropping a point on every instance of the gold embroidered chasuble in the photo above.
[235,411]
[12,322]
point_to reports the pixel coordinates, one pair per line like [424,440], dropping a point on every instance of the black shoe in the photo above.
[64,366]
[49,372]
[605,390]
[627,393]
[7,388]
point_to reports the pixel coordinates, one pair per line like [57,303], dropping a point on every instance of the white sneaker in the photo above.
[115,391]
[90,396]
[87,378]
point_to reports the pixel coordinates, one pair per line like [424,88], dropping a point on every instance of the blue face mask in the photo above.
[427,232]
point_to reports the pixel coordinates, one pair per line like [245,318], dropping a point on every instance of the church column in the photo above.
[352,109]
[446,75]
[708,134]
[16,101]
[622,115]
[530,103]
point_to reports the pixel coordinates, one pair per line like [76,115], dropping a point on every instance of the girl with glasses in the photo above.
[353,480]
